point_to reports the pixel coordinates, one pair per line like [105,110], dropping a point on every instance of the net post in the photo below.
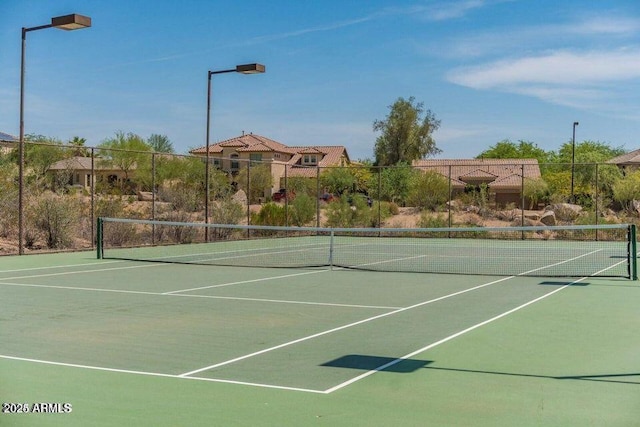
[331,250]
[633,253]
[99,238]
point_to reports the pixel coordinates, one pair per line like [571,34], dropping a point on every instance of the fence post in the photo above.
[99,244]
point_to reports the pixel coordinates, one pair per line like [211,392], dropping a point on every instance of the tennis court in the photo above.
[140,342]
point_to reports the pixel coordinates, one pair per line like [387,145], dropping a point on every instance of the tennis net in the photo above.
[559,251]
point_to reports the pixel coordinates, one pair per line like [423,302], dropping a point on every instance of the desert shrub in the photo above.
[302,210]
[270,214]
[182,198]
[342,213]
[226,211]
[429,220]
[55,218]
[428,190]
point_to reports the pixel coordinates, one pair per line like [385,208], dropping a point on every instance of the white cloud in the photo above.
[558,68]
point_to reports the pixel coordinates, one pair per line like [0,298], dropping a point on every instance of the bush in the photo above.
[428,190]
[56,218]
[270,214]
[302,210]
[428,220]
[226,211]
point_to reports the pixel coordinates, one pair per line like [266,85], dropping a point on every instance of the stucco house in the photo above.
[629,162]
[503,177]
[7,142]
[78,171]
[284,161]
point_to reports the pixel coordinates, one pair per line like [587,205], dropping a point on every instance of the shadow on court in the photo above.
[371,363]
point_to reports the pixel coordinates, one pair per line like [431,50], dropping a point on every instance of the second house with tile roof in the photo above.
[284,161]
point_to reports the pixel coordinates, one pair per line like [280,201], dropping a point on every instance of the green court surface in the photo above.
[116,342]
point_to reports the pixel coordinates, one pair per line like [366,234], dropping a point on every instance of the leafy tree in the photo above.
[394,183]
[535,190]
[128,152]
[160,143]
[79,148]
[260,180]
[338,180]
[587,154]
[626,190]
[406,133]
[509,150]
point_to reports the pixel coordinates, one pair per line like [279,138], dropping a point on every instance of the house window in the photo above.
[276,155]
[310,159]
[255,157]
[216,162]
[235,164]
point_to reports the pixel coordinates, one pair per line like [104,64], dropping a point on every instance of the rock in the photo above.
[145,196]
[533,216]
[548,218]
[565,211]
[240,197]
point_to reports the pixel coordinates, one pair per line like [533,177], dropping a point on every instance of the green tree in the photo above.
[129,153]
[407,135]
[626,190]
[160,143]
[509,150]
[260,180]
[394,183]
[338,180]
[535,190]
[79,149]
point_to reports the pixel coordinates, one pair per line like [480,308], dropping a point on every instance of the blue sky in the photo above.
[488,69]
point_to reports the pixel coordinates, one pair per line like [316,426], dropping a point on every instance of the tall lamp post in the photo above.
[66,22]
[573,158]
[243,69]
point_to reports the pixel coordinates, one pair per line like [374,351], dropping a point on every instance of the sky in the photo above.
[489,70]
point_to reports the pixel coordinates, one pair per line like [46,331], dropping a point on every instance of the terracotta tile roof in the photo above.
[509,181]
[80,163]
[478,173]
[245,143]
[631,158]
[499,168]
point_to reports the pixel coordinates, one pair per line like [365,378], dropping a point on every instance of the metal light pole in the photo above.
[67,22]
[573,158]
[243,69]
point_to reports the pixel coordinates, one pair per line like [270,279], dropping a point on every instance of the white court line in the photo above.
[121,291]
[66,273]
[244,281]
[457,334]
[157,374]
[58,266]
[339,328]
[299,340]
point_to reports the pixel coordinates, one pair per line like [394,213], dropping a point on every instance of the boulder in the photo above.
[548,218]
[240,197]
[144,196]
[565,211]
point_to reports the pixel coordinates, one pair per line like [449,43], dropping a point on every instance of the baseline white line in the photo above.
[457,334]
[156,374]
[65,273]
[58,266]
[245,281]
[122,291]
[339,328]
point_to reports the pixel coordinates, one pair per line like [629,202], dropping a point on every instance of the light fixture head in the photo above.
[250,68]
[71,22]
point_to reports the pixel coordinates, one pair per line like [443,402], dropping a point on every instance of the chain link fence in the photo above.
[67,188]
